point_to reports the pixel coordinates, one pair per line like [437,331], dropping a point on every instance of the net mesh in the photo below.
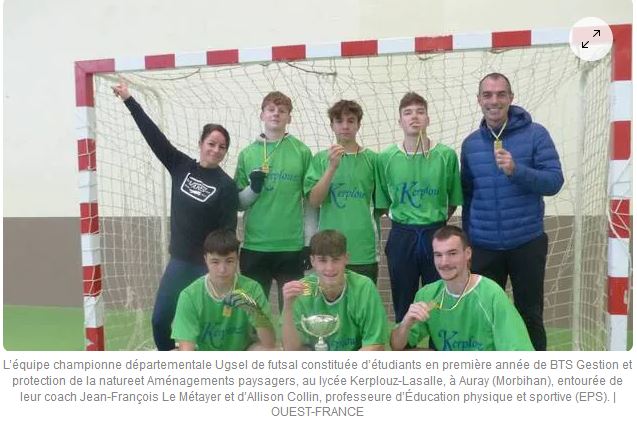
[565,95]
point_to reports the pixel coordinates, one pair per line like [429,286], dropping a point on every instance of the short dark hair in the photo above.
[328,243]
[445,232]
[411,98]
[208,128]
[278,98]
[495,75]
[221,242]
[345,107]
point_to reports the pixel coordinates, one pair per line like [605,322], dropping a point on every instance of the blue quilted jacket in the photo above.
[502,212]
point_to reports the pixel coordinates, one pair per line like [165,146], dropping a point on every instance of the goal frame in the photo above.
[619,211]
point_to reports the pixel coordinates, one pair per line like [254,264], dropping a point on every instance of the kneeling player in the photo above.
[337,292]
[462,311]
[223,310]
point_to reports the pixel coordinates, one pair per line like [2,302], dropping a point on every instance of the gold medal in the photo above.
[265,167]
[307,288]
[227,311]
[497,142]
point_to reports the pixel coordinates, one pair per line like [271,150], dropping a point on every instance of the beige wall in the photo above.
[42,265]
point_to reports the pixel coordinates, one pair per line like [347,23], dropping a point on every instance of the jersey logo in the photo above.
[451,341]
[339,194]
[197,189]
[274,177]
[414,193]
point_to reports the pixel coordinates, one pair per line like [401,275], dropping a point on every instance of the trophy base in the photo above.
[321,347]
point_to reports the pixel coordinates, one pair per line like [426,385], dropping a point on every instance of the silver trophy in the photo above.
[320,326]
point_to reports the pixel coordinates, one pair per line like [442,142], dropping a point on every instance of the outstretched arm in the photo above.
[157,141]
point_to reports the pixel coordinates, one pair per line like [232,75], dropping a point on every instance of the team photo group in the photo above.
[311,223]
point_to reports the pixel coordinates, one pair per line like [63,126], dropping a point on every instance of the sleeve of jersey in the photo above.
[373,319]
[419,331]
[313,174]
[307,158]
[186,323]
[240,174]
[454,186]
[156,140]
[509,331]
[381,193]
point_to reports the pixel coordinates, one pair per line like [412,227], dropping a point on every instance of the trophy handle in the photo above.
[336,326]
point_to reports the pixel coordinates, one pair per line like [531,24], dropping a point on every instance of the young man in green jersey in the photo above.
[462,311]
[206,319]
[269,175]
[418,181]
[333,290]
[340,183]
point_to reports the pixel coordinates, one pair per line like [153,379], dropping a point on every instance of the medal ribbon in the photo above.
[497,142]
[266,157]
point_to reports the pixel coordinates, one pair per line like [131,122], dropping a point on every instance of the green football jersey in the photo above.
[200,319]
[484,319]
[417,188]
[274,222]
[360,310]
[348,206]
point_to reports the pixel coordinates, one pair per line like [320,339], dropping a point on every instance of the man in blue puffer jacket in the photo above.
[507,166]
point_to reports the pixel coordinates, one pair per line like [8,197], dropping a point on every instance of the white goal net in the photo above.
[568,96]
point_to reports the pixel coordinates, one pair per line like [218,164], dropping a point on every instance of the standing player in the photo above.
[270,174]
[203,198]
[340,182]
[419,182]
[462,311]
[508,165]
[334,290]
[206,318]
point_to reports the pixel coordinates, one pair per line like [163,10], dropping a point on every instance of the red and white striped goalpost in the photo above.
[620,177]
[620,187]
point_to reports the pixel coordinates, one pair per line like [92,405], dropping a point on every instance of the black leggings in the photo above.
[265,266]
[525,266]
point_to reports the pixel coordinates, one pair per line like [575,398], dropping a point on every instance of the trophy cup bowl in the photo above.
[320,326]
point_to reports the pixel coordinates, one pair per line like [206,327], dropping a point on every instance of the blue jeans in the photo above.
[410,260]
[177,276]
